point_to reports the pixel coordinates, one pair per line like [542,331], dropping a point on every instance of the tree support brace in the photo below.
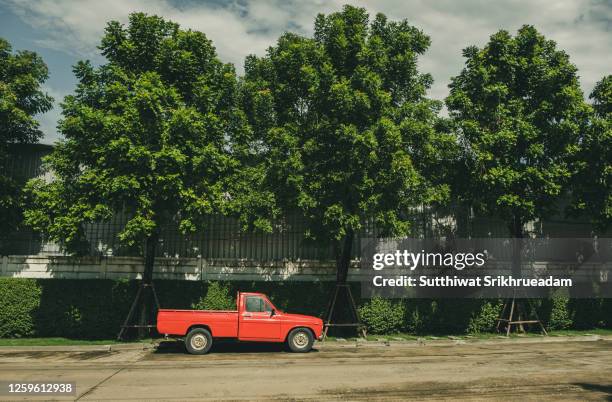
[515,309]
[140,297]
[356,321]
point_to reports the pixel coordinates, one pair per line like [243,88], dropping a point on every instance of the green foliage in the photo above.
[602,97]
[450,315]
[146,134]
[485,319]
[587,313]
[343,129]
[217,297]
[84,309]
[560,316]
[519,110]
[606,307]
[94,309]
[19,300]
[383,316]
[592,187]
[418,313]
[21,76]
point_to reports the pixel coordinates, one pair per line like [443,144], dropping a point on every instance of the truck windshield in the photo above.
[256,304]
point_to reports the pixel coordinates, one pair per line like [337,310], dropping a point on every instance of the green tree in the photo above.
[146,135]
[592,188]
[343,129]
[518,109]
[21,98]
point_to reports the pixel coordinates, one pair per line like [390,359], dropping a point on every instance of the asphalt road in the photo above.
[497,370]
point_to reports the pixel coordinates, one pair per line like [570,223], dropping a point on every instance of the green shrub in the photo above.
[217,298]
[19,299]
[382,316]
[560,316]
[485,319]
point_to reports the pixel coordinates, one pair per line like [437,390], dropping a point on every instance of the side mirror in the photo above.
[272,312]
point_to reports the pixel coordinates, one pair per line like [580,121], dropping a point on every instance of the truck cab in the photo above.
[255,319]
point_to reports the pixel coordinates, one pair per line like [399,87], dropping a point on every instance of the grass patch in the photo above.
[572,332]
[488,335]
[393,337]
[59,342]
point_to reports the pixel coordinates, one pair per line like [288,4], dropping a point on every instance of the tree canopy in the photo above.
[21,98]
[145,134]
[518,109]
[344,129]
[592,189]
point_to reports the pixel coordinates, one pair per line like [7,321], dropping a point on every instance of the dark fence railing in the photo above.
[222,237]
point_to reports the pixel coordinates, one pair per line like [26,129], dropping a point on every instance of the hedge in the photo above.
[19,301]
[94,309]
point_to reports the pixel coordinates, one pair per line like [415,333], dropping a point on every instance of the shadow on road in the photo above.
[169,347]
[607,389]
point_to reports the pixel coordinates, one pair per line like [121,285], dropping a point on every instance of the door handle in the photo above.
[246,315]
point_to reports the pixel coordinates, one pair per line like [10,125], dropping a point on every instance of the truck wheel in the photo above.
[300,340]
[198,341]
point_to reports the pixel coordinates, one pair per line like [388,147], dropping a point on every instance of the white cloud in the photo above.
[581,27]
[237,30]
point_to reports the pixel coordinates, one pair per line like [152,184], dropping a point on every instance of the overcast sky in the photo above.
[64,31]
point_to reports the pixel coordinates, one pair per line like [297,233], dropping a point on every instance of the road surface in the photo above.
[493,370]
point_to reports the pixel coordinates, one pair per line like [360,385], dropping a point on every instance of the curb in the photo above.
[455,342]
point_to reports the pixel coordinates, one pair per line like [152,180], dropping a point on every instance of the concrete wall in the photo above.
[62,267]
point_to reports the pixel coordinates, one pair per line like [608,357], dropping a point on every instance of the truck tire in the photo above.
[198,341]
[300,340]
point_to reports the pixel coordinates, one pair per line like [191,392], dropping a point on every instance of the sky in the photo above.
[65,31]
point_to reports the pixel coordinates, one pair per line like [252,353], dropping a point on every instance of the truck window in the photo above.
[255,304]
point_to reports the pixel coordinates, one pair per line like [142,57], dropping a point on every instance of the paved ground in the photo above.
[502,370]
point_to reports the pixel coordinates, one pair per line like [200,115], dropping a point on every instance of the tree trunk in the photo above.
[516,229]
[147,279]
[150,249]
[343,258]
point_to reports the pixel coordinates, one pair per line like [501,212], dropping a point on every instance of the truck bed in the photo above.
[221,323]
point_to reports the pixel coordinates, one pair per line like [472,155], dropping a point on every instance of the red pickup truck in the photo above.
[255,319]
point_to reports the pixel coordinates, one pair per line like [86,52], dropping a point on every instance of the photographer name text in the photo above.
[455,281]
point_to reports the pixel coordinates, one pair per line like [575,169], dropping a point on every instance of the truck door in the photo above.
[257,321]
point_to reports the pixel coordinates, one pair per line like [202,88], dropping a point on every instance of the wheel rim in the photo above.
[198,342]
[300,340]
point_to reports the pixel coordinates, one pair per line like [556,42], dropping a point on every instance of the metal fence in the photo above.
[221,237]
